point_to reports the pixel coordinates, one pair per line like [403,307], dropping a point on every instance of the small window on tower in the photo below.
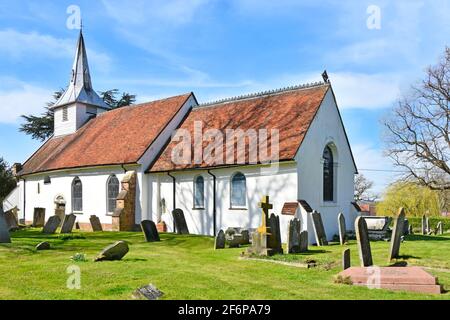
[65,115]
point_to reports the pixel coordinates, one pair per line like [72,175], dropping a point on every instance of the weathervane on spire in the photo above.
[325,77]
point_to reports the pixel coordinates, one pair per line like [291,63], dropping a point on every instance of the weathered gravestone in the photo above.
[235,241]
[220,240]
[112,252]
[38,217]
[424,225]
[346,262]
[68,223]
[260,238]
[180,222]
[150,232]
[4,230]
[43,246]
[149,292]
[319,230]
[397,234]
[341,223]
[52,224]
[293,236]
[275,234]
[439,228]
[61,213]
[245,236]
[304,241]
[95,223]
[362,237]
[11,220]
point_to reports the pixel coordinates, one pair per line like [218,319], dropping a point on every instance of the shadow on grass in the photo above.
[407,256]
[420,237]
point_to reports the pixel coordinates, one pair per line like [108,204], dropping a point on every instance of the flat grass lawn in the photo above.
[187,267]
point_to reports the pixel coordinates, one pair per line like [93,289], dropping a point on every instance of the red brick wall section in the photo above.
[123,218]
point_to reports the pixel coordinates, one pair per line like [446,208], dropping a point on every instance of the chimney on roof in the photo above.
[16,168]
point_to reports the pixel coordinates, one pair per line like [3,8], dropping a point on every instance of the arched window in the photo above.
[328,175]
[199,192]
[77,195]
[238,191]
[112,191]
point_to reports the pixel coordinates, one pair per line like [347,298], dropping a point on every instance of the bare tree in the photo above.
[362,188]
[417,135]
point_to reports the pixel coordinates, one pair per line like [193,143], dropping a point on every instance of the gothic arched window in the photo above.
[328,175]
[113,186]
[77,195]
[238,190]
[199,192]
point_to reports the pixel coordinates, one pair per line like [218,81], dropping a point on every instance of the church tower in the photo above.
[79,102]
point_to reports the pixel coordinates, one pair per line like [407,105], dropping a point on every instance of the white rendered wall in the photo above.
[14,199]
[76,118]
[327,128]
[281,187]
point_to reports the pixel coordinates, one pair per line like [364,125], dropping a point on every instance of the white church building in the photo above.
[123,165]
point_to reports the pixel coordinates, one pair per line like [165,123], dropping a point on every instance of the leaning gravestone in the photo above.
[43,246]
[68,223]
[304,241]
[275,234]
[319,230]
[180,222]
[362,237]
[150,232]
[112,252]
[11,220]
[439,228]
[293,236]
[95,223]
[38,217]
[52,224]
[220,240]
[397,234]
[4,230]
[341,222]
[424,225]
[346,262]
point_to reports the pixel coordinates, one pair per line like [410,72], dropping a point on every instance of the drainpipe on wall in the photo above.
[24,199]
[214,201]
[174,203]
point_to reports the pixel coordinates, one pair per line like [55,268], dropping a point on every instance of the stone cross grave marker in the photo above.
[342,233]
[150,232]
[260,241]
[293,236]
[95,223]
[304,241]
[38,217]
[220,240]
[362,237]
[4,230]
[180,222]
[275,234]
[397,234]
[319,230]
[68,223]
[346,262]
[52,224]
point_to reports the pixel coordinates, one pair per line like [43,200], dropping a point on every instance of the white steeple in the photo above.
[80,86]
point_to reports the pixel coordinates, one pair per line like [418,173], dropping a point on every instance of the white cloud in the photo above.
[21,98]
[20,45]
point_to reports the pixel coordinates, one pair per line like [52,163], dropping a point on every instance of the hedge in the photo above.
[416,222]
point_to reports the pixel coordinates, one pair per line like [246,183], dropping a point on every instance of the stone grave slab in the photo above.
[362,237]
[275,234]
[397,234]
[413,279]
[95,223]
[293,236]
[341,223]
[68,223]
[220,240]
[38,217]
[4,230]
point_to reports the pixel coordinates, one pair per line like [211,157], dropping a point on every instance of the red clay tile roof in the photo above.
[289,111]
[119,136]
[289,208]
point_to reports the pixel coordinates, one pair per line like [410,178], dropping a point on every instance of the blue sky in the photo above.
[219,49]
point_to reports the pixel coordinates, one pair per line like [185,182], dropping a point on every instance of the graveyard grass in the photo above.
[187,267]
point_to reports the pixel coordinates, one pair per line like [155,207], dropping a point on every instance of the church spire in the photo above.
[80,86]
